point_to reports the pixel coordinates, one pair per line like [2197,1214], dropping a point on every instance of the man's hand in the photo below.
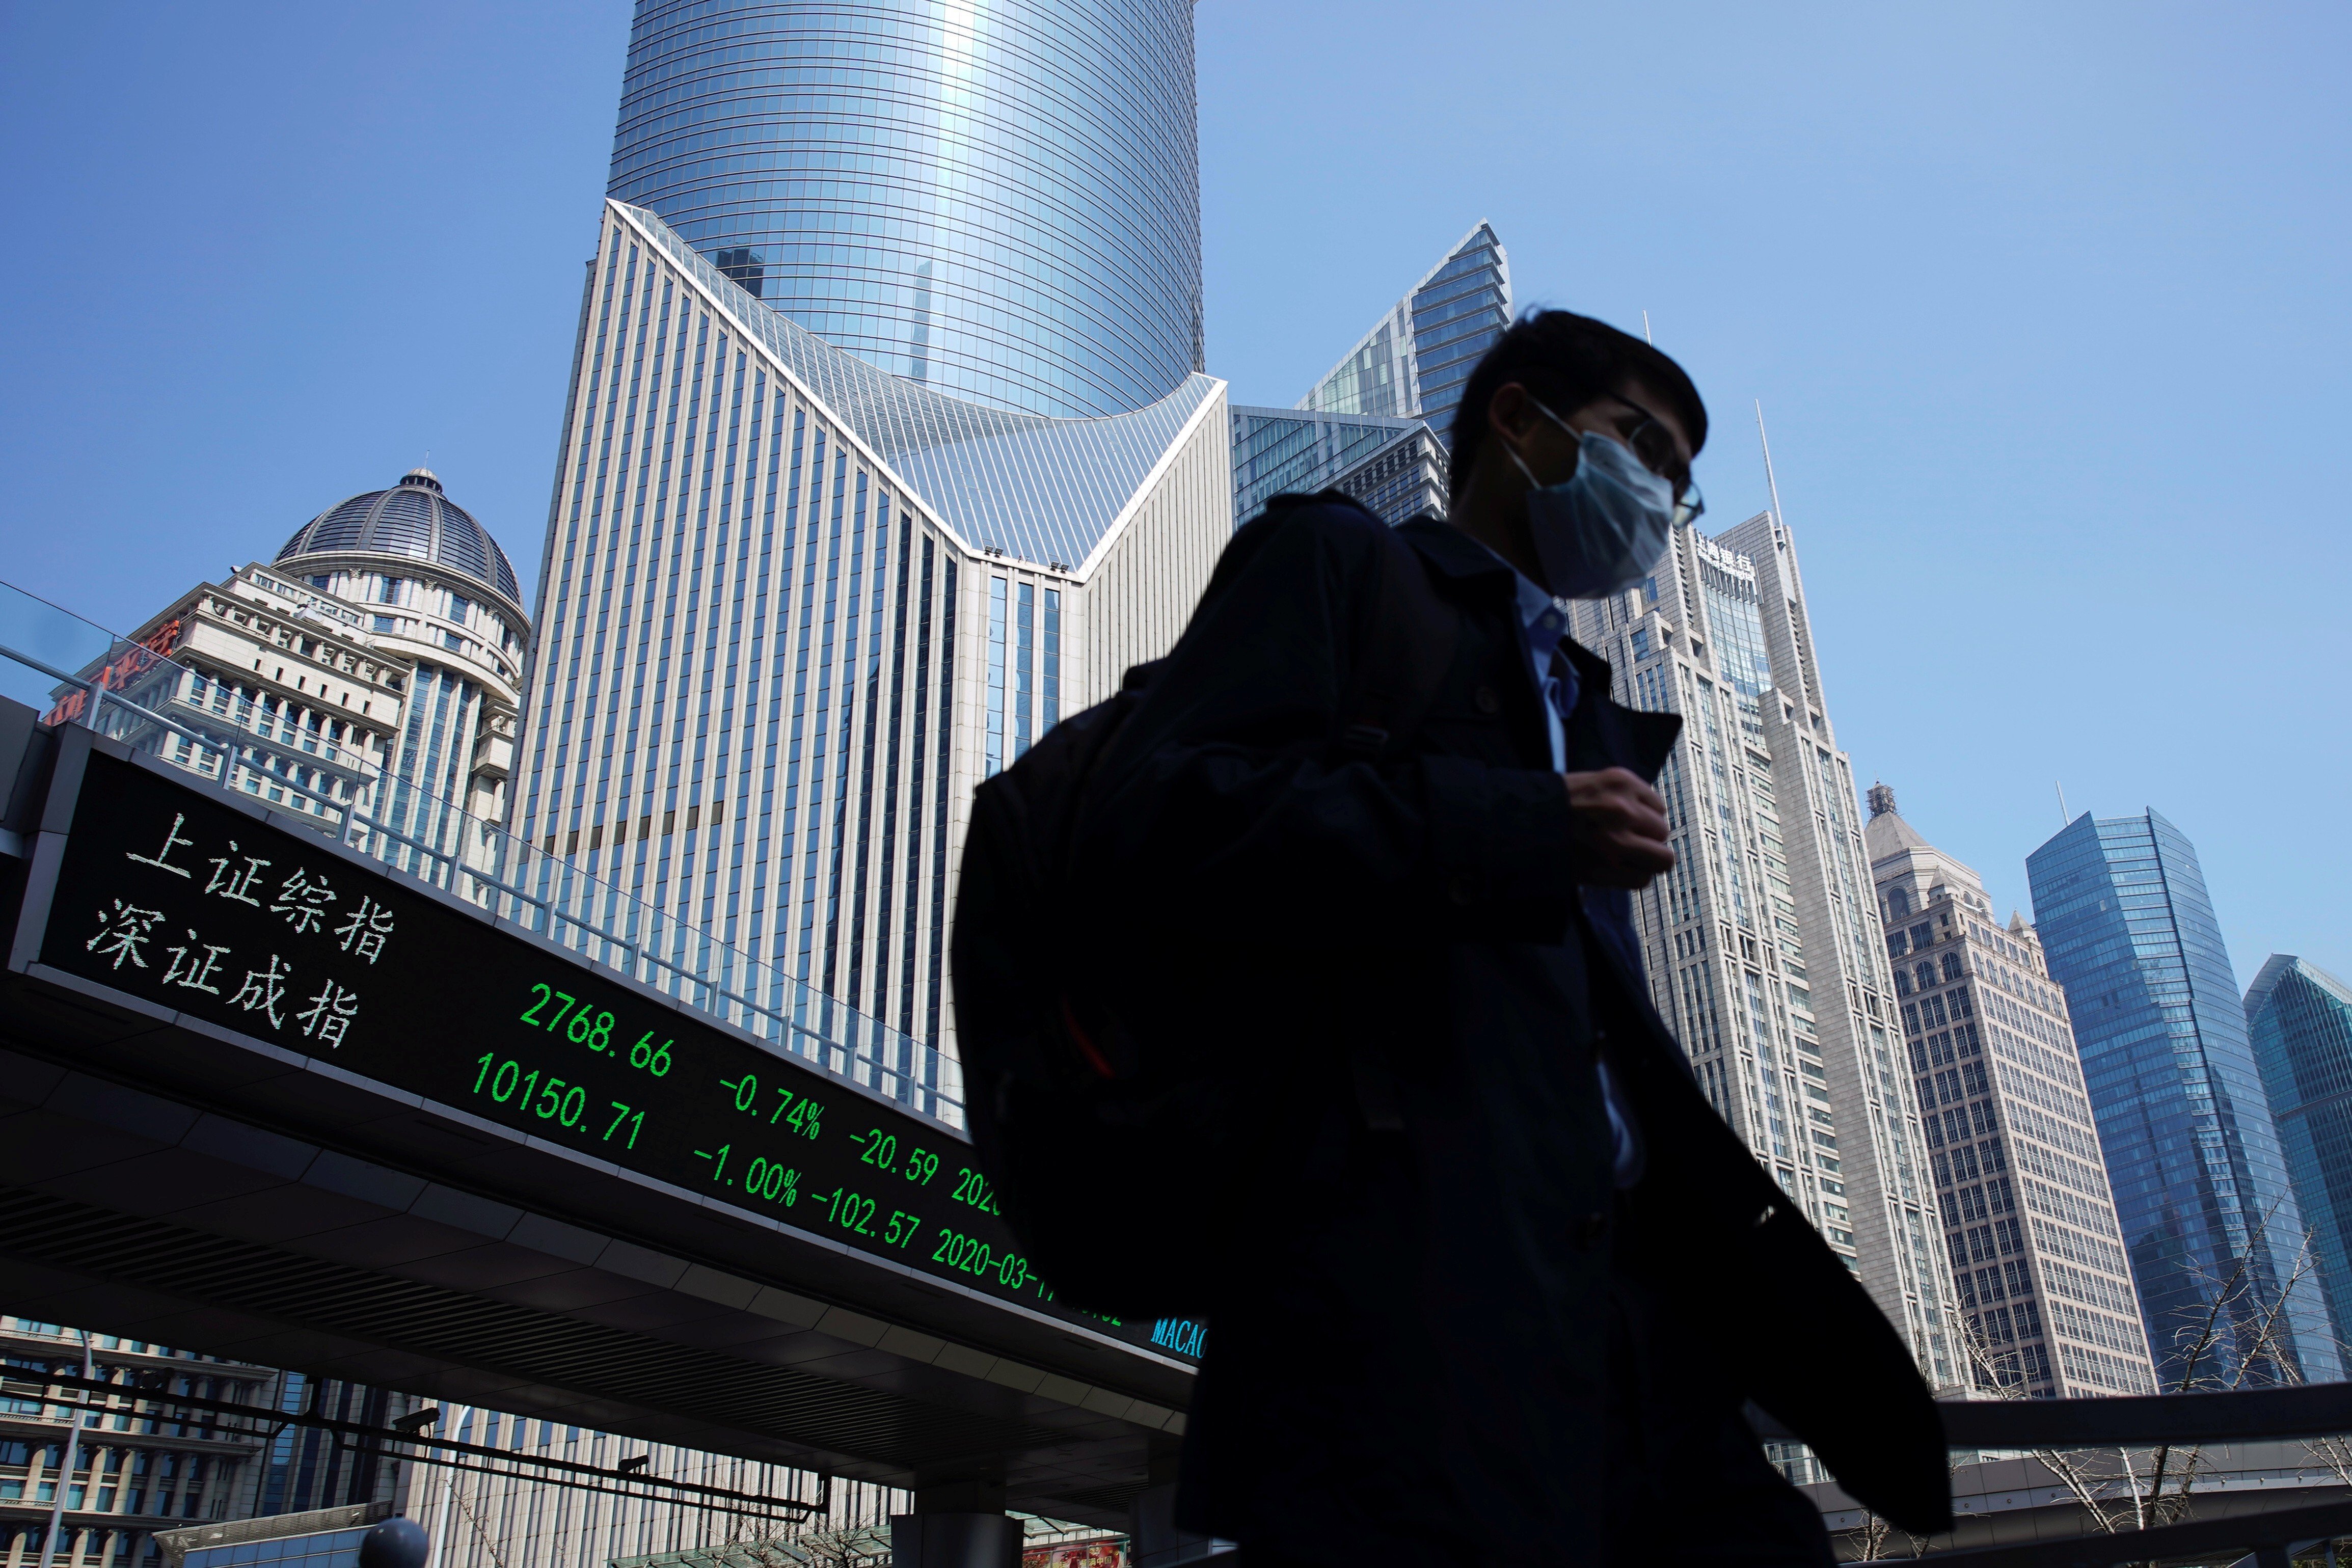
[1619,832]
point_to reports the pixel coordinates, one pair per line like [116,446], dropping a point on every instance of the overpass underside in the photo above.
[167,1178]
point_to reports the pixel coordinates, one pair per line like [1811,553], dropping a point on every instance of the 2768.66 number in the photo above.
[593,1029]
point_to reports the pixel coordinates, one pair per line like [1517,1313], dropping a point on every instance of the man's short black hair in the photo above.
[1567,361]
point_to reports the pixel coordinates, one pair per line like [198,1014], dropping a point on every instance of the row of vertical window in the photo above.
[1966,1162]
[2050,1064]
[1952,1085]
[814,739]
[1943,1047]
[1960,1123]
[2104,1371]
[1977,1201]
[112,1479]
[1996,1281]
[2094,1290]
[1025,677]
[2001,1360]
[1980,1243]
[2035,1091]
[2087,1250]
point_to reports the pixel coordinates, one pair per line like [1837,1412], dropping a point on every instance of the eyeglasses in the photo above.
[1655,444]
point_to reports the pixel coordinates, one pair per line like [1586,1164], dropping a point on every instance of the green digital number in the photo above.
[654,1058]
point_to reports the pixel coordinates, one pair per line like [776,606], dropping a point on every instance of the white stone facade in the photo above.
[319,696]
[1763,944]
[791,615]
[2045,1289]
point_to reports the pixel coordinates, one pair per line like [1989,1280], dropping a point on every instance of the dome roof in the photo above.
[411,519]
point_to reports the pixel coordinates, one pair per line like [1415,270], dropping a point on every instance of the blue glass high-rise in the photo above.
[2201,1184]
[2300,1019]
[999,199]
[1415,361]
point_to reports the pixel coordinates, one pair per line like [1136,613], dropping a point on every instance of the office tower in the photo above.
[134,1474]
[2045,1293]
[1000,202]
[1413,362]
[366,679]
[1763,945]
[2210,1221]
[1378,425]
[1395,467]
[799,597]
[138,1470]
[2299,1018]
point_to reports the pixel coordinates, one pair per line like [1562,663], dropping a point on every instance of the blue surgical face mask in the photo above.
[1605,526]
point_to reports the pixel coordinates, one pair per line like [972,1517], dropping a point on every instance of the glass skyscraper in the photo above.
[999,199]
[884,451]
[1413,364]
[2201,1184]
[1395,467]
[2300,1019]
[1378,425]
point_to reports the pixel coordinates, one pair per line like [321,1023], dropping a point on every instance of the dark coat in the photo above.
[1410,1344]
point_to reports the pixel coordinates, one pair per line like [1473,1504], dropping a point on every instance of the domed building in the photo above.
[372,666]
[438,593]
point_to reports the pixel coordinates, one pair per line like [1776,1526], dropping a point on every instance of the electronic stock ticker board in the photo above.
[171,896]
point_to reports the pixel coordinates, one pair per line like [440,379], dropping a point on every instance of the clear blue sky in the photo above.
[2047,307]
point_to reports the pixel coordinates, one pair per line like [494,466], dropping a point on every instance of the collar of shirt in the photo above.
[1543,624]
[1542,617]
[1543,621]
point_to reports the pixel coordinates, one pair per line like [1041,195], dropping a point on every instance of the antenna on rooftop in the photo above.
[2064,817]
[1770,484]
[1645,331]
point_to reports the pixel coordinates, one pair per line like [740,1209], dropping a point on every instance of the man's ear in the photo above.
[1511,412]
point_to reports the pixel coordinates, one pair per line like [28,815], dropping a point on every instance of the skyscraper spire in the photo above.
[1771,485]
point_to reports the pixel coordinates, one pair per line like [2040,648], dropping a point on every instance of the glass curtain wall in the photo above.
[2300,1018]
[996,198]
[2200,1185]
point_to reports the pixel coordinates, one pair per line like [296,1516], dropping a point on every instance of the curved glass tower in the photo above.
[997,198]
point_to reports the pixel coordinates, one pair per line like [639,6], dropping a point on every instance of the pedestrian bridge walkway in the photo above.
[263,1092]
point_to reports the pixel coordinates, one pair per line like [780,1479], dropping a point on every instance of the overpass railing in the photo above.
[74,671]
[2265,1537]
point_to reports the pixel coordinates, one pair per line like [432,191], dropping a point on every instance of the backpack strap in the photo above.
[1406,649]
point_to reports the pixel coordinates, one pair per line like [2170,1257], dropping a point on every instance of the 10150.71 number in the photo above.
[592,1028]
[550,1098]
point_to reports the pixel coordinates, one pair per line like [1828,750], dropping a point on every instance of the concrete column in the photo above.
[1156,1542]
[957,1524]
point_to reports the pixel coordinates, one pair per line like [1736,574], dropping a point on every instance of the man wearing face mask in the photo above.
[1500,1280]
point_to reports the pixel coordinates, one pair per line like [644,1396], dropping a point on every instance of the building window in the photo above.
[993,759]
[1951,966]
[1025,666]
[1898,902]
[1049,668]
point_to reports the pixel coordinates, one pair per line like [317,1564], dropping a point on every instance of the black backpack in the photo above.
[1094,1139]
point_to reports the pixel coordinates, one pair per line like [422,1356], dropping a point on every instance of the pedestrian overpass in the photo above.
[262,1093]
